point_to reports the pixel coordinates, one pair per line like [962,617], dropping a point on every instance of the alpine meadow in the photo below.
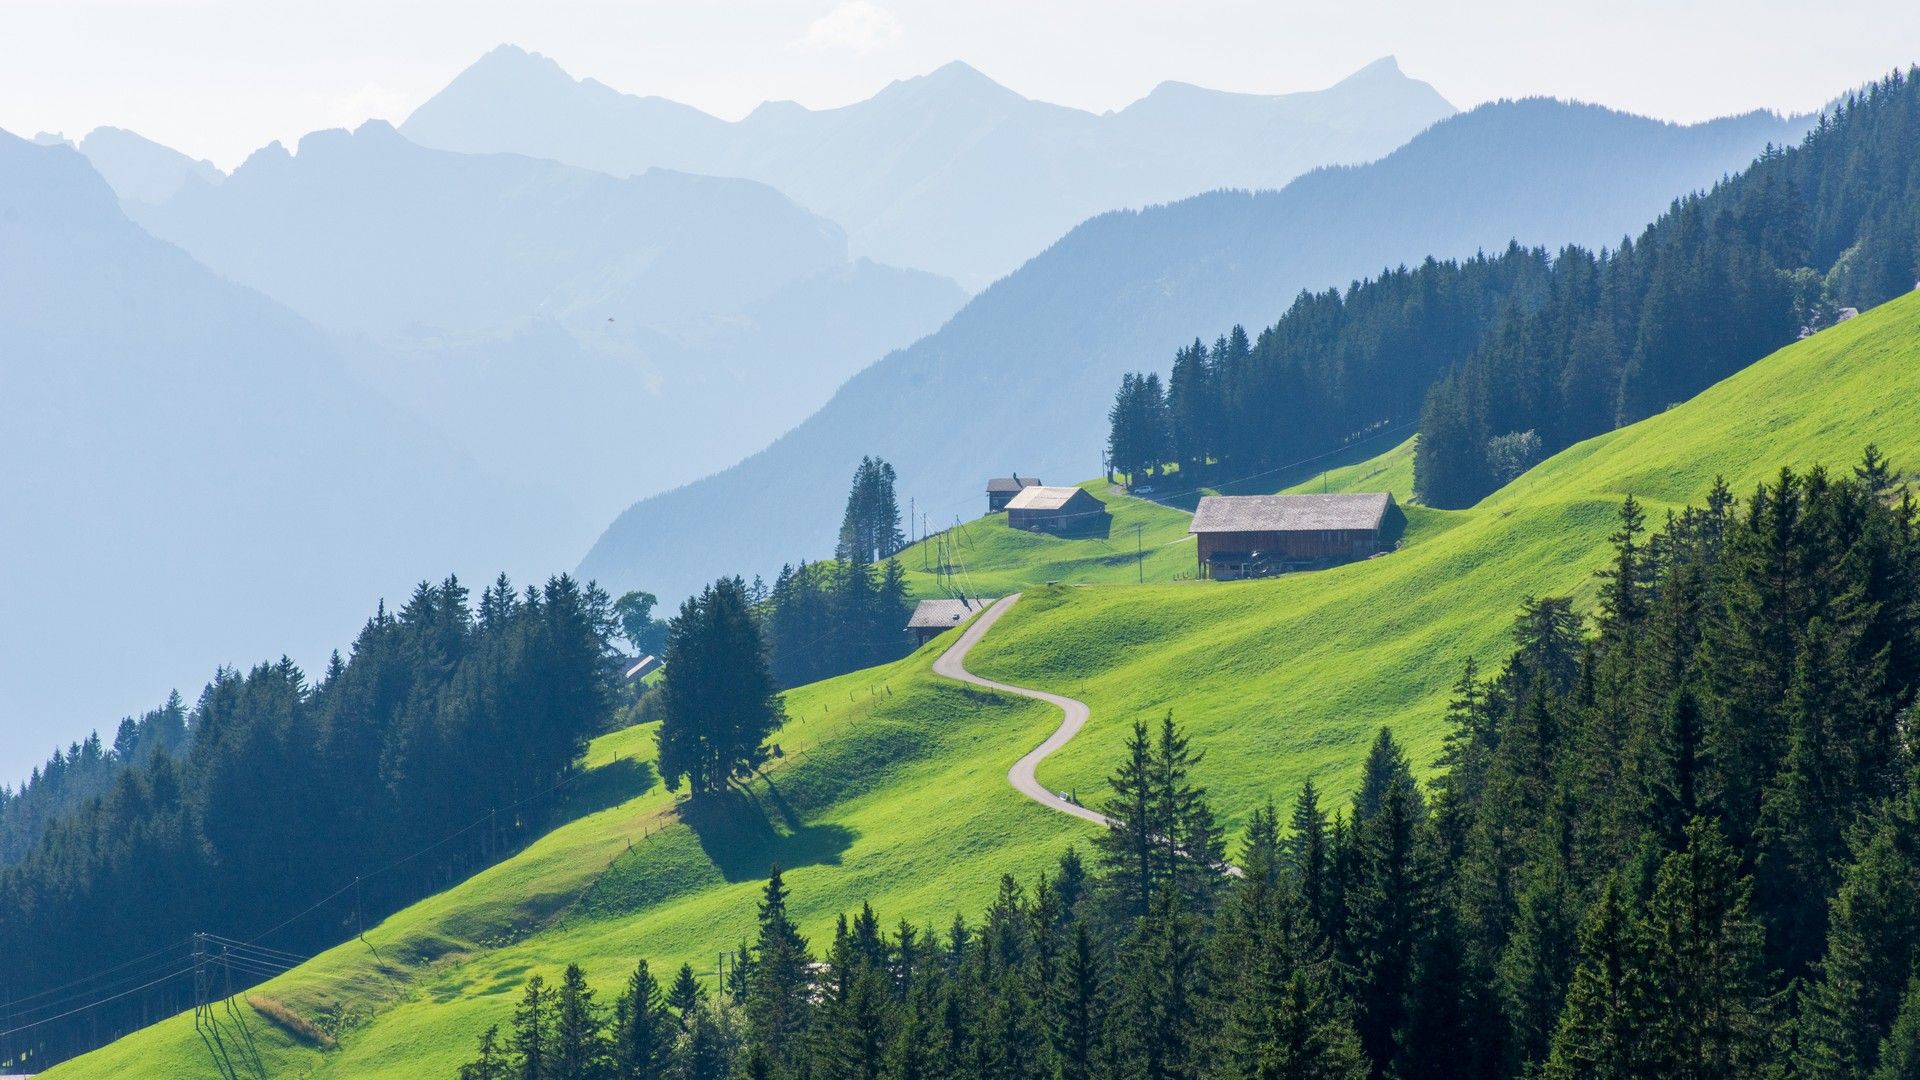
[1388,569]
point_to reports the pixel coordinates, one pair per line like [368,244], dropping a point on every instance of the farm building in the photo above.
[1002,489]
[1254,535]
[933,617]
[1059,510]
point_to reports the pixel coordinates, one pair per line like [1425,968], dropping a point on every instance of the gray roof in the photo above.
[1291,513]
[943,614]
[1040,497]
[1011,483]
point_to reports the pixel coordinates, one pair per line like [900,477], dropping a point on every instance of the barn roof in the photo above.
[943,614]
[1011,483]
[1291,513]
[1041,497]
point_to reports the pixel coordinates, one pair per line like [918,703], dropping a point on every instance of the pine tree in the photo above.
[532,1040]
[1900,1052]
[686,996]
[1076,1006]
[580,1050]
[492,1064]
[1873,941]
[782,982]
[1388,903]
[1704,949]
[721,700]
[1129,851]
[1603,1032]
[643,1029]
[1537,964]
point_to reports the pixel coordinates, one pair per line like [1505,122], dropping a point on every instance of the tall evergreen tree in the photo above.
[721,700]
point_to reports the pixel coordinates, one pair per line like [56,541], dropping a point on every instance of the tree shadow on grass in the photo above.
[739,835]
[608,786]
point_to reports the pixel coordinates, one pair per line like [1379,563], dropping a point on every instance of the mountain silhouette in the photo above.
[947,171]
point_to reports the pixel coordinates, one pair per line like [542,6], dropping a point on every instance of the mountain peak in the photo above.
[955,78]
[1386,65]
[510,65]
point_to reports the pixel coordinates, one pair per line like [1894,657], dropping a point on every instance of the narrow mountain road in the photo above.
[952,664]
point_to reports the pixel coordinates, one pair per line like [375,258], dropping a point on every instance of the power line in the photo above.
[188,970]
[102,973]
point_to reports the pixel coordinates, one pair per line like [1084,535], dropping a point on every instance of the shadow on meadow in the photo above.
[745,832]
[608,786]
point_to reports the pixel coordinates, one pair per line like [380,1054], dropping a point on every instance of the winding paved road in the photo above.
[953,665]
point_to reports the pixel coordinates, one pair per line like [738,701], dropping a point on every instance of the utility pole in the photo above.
[1139,552]
[200,988]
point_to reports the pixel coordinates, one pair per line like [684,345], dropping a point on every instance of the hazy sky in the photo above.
[219,78]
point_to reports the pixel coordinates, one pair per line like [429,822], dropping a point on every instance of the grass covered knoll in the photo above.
[989,558]
[1287,679]
[891,786]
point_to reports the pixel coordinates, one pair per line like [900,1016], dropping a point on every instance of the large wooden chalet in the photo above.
[1061,510]
[1254,535]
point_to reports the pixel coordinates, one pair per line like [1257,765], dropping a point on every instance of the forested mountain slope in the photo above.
[1500,360]
[1020,378]
[892,787]
[949,171]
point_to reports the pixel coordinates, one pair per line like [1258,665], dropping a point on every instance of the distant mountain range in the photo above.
[137,168]
[1020,379]
[599,336]
[948,172]
[193,475]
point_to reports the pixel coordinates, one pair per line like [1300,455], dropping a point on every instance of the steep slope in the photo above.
[1020,378]
[141,170]
[947,171]
[892,787]
[469,286]
[193,477]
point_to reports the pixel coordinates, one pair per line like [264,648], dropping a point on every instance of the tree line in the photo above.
[1503,359]
[1679,837]
[275,790]
[84,771]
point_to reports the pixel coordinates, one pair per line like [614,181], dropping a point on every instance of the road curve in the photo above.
[952,664]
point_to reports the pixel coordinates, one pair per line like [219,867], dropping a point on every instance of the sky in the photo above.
[220,78]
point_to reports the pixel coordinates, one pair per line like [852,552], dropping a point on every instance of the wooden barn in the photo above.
[931,618]
[1059,510]
[1002,489]
[1255,535]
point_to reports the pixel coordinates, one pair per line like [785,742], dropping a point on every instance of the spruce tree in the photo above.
[1603,1031]
[532,1040]
[782,981]
[492,1063]
[721,701]
[643,1029]
[580,1050]
[1900,1051]
[686,996]
[1129,851]
[1704,956]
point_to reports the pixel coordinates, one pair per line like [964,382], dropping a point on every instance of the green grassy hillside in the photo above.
[1391,471]
[1286,679]
[986,557]
[892,784]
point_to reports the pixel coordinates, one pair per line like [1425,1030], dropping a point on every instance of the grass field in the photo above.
[986,557]
[892,784]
